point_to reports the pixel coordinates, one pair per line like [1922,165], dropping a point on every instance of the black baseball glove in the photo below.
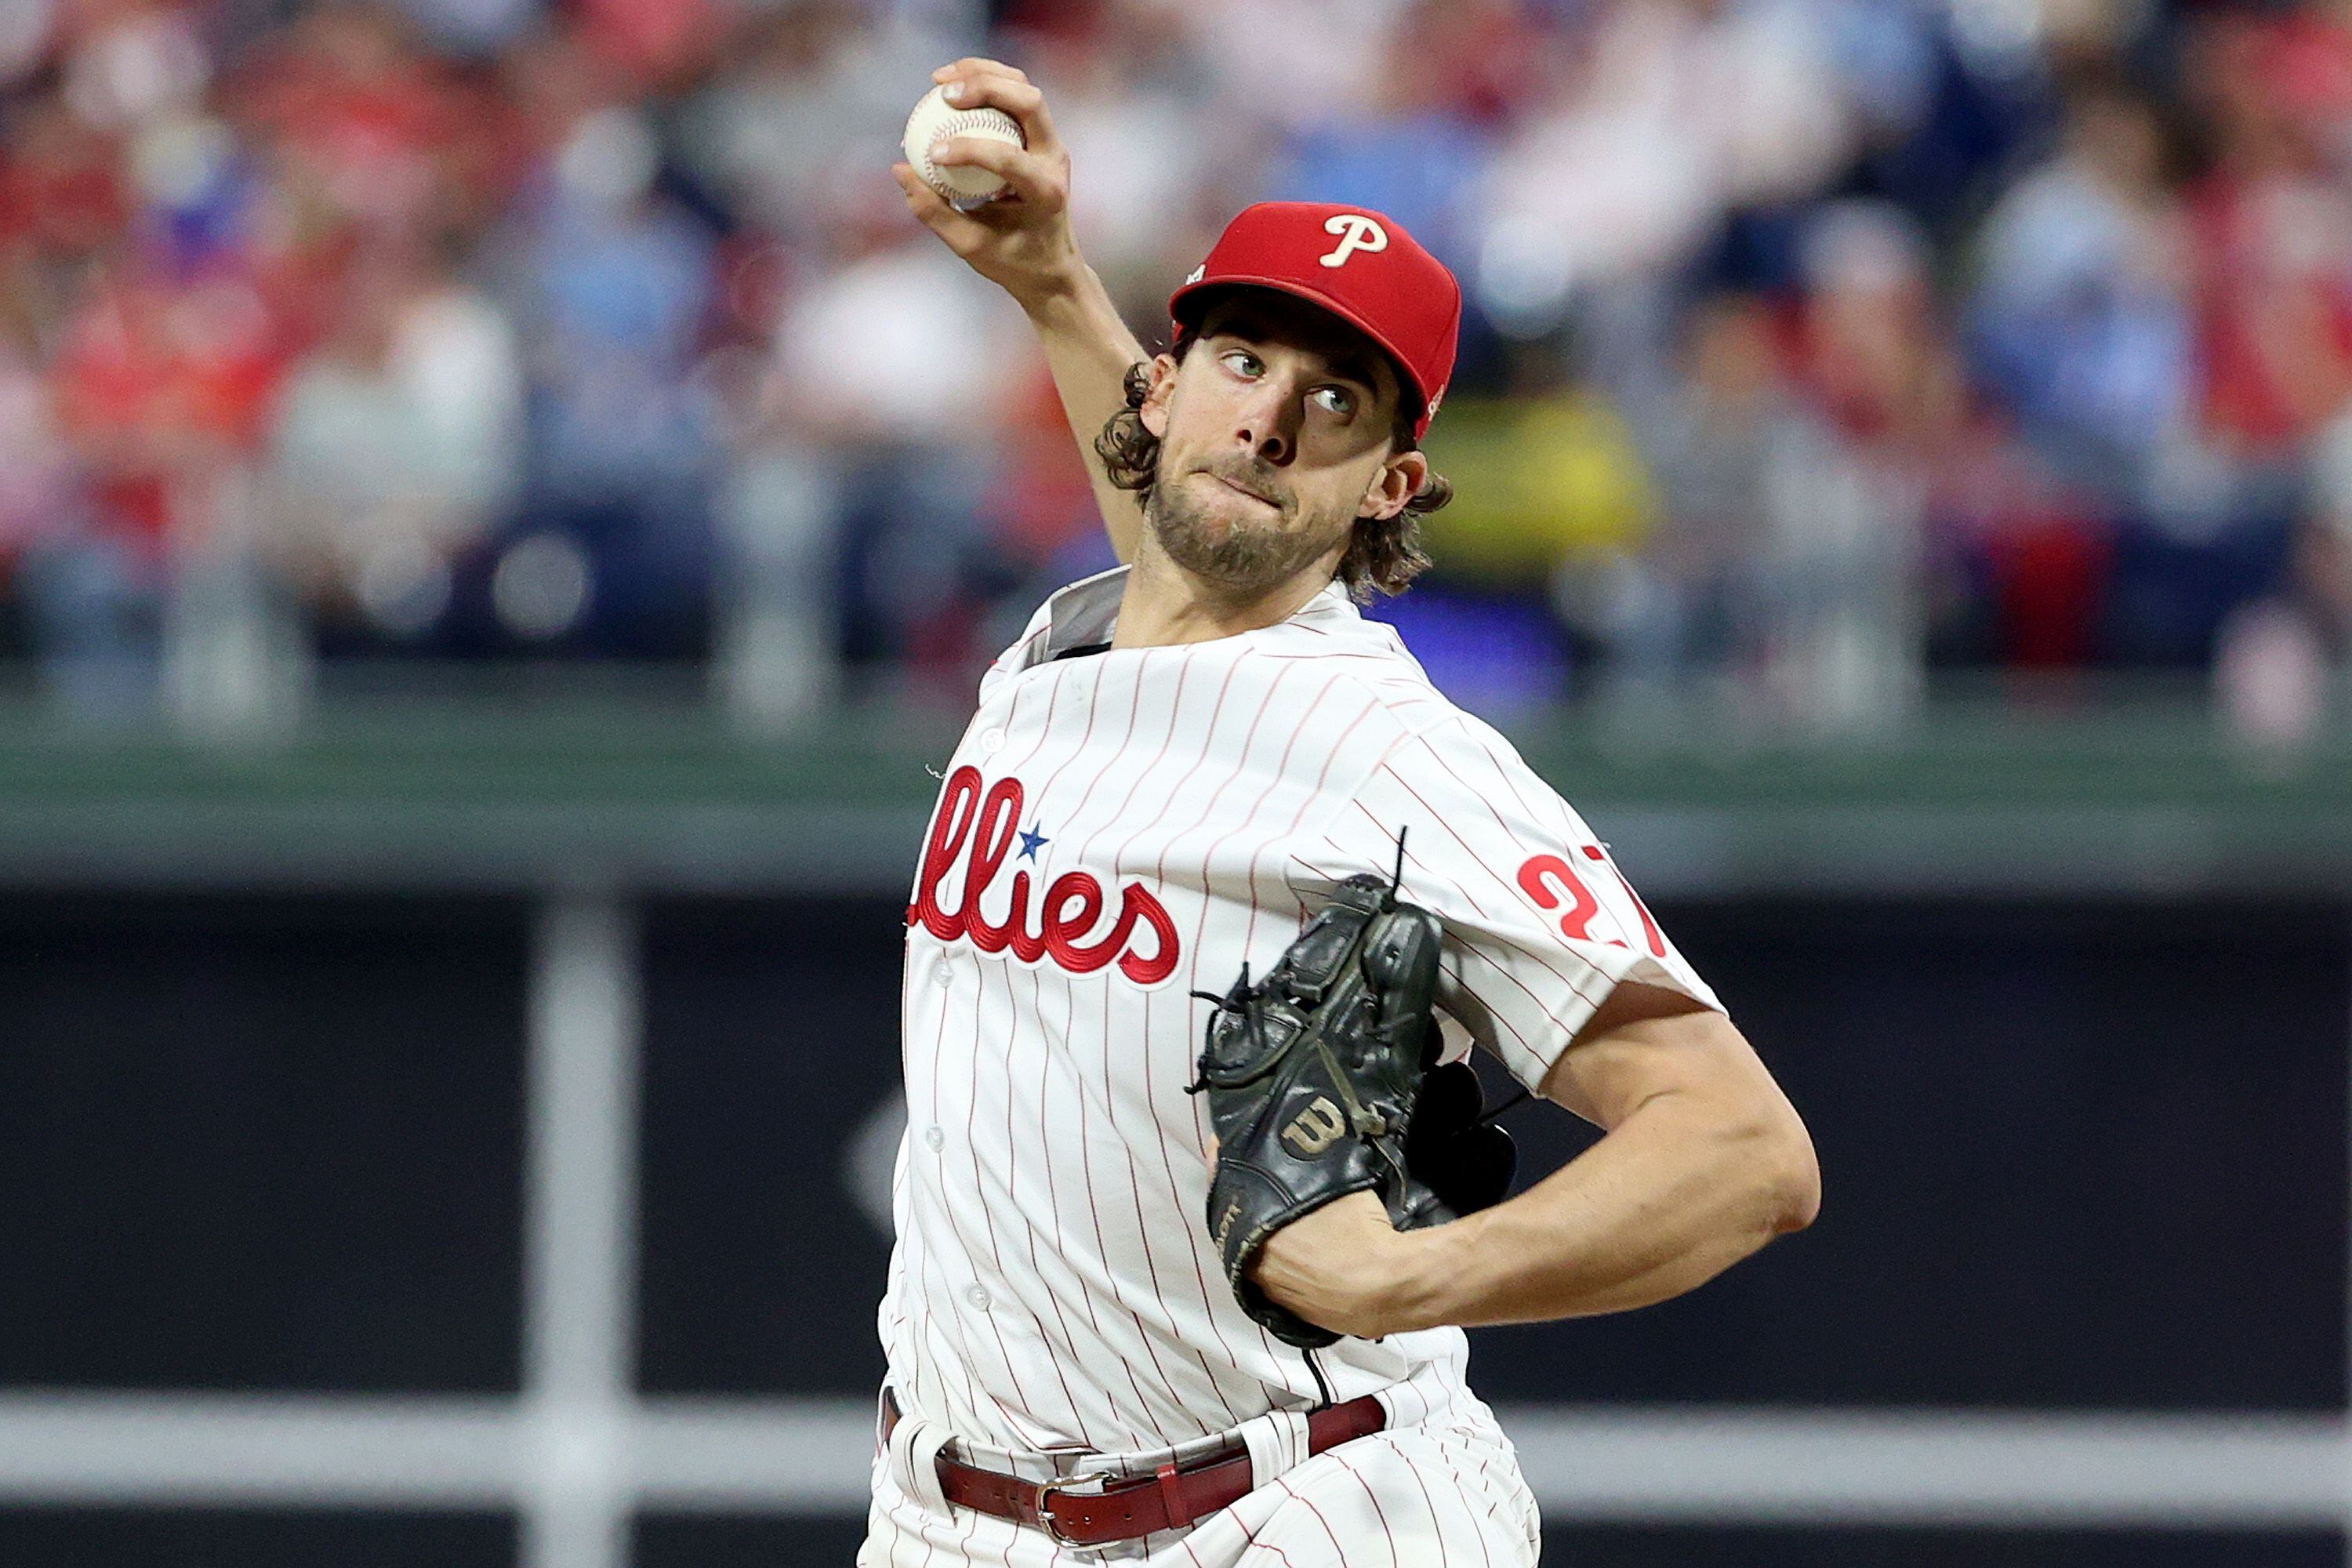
[1322,1081]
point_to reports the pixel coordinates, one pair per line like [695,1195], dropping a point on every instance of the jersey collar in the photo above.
[1088,611]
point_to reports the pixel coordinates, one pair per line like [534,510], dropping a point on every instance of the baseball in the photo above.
[934,119]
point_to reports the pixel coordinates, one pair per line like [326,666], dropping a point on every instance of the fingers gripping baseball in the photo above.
[1026,176]
[1021,239]
[1037,172]
[972,82]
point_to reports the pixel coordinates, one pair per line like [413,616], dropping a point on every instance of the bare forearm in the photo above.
[1673,1195]
[1089,349]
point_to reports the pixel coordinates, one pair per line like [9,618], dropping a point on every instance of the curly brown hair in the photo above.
[1384,556]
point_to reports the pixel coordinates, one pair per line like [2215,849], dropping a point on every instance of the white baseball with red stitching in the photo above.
[935,120]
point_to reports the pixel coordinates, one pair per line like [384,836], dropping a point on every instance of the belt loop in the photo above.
[914,1445]
[1173,1496]
[1277,1442]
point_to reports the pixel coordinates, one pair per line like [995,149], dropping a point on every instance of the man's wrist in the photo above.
[1428,1291]
[1060,296]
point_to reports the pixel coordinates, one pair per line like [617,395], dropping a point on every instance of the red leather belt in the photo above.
[1173,1496]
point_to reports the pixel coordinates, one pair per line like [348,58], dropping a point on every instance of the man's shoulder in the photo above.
[1371,658]
[1448,735]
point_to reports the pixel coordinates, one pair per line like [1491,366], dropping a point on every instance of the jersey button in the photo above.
[934,1140]
[992,741]
[940,975]
[978,1296]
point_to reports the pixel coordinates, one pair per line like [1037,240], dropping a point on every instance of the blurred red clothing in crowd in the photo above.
[2272,230]
[60,183]
[158,382]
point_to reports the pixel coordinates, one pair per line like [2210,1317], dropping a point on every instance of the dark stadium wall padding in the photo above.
[673,1542]
[258,1141]
[236,1538]
[772,1036]
[2074,1154]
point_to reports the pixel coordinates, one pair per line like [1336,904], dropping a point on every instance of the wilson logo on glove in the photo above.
[980,830]
[1314,1129]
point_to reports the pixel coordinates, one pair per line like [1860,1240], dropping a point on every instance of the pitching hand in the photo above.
[1019,241]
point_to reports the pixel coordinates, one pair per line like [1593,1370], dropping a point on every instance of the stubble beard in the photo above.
[1241,556]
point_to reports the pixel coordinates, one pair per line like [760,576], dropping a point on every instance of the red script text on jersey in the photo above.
[981,829]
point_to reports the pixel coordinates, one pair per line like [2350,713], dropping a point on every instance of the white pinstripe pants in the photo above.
[1431,1496]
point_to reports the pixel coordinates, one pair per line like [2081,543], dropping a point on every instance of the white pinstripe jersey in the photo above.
[1116,831]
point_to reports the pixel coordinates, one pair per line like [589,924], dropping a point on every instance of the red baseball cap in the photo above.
[1360,265]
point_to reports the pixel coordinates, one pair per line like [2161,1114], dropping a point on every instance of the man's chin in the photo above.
[1224,536]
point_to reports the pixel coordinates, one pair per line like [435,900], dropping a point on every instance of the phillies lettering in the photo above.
[979,829]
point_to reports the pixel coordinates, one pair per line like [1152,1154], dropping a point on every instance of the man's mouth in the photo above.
[1238,487]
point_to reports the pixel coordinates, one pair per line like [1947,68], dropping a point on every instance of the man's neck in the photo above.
[1163,604]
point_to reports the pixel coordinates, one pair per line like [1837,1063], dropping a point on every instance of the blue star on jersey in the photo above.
[1031,842]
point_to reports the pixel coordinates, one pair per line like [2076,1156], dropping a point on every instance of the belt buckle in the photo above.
[1069,1485]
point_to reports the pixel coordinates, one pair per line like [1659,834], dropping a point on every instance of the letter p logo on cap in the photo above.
[1358,232]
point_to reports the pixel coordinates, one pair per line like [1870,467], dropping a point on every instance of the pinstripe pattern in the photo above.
[1116,831]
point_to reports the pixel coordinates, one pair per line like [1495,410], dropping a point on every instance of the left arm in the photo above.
[1704,1160]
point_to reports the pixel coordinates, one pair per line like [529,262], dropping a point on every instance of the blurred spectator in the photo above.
[895,358]
[2083,313]
[1698,599]
[807,101]
[163,383]
[64,186]
[36,500]
[1667,114]
[2273,235]
[394,442]
[1134,105]
[1304,61]
[358,124]
[1849,507]
[614,286]
[1455,70]
[132,61]
[1796,458]
[2324,552]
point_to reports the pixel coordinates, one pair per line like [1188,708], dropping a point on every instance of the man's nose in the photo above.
[1269,424]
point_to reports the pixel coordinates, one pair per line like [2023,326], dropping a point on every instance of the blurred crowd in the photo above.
[1813,346]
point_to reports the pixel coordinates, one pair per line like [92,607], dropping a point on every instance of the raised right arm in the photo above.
[1022,243]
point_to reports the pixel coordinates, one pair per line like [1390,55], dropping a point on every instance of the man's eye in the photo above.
[1335,399]
[1242,362]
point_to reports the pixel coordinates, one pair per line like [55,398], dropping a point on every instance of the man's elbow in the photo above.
[1773,1153]
[1791,1173]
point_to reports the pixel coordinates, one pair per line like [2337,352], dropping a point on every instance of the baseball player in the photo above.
[1175,767]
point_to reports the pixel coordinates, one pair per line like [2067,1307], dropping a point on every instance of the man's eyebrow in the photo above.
[1346,366]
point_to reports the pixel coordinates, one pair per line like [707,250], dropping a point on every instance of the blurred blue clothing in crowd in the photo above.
[612,288]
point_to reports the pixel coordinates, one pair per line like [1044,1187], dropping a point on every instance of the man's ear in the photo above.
[1399,480]
[1154,411]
